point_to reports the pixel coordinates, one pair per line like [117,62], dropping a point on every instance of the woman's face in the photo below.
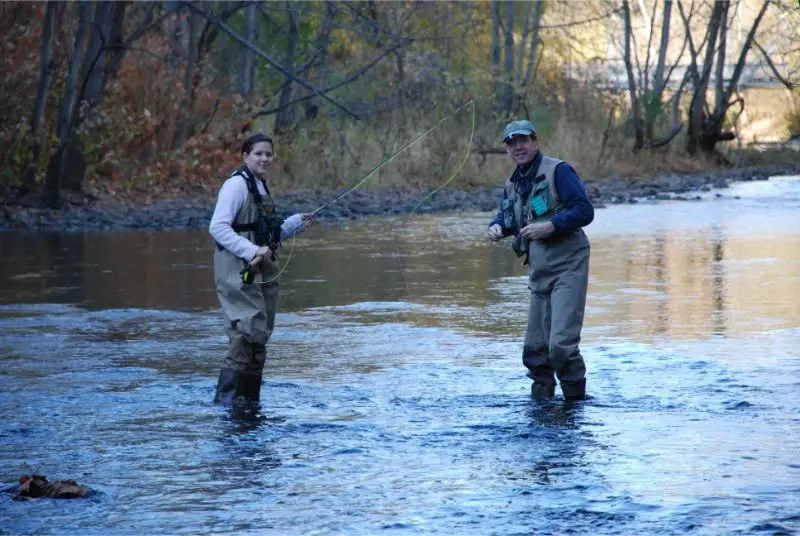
[260,158]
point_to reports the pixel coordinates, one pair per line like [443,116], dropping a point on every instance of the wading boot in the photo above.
[236,386]
[574,390]
[249,388]
[543,391]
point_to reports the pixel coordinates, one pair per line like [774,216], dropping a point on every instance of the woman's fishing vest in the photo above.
[256,220]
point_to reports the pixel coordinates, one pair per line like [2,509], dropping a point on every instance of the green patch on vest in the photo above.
[539,203]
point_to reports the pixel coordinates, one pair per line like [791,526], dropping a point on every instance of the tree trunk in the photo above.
[116,46]
[468,10]
[508,94]
[712,129]
[447,29]
[92,80]
[93,71]
[191,54]
[537,22]
[322,45]
[286,113]
[654,103]
[246,74]
[325,37]
[495,50]
[28,175]
[697,114]
[636,116]
[66,114]
[175,29]
[402,91]
[526,24]
[658,76]
[719,83]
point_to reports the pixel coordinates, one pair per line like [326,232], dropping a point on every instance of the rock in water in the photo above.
[38,486]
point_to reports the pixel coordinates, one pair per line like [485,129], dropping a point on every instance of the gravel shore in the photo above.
[79,213]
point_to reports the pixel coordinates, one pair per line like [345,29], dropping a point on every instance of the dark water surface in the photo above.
[394,399]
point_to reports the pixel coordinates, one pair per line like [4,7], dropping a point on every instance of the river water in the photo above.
[394,399]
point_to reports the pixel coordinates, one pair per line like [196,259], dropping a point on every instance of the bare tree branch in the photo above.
[584,21]
[352,78]
[788,84]
[661,142]
[242,41]
[737,71]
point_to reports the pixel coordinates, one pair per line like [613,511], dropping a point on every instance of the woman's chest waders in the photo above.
[248,309]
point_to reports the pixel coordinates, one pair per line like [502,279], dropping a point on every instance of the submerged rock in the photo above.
[38,486]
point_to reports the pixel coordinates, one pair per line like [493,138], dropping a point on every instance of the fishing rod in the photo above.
[248,273]
[375,169]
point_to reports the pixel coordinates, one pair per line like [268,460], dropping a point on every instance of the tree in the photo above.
[247,74]
[92,66]
[706,125]
[28,176]
[66,114]
[285,117]
[648,98]
[636,117]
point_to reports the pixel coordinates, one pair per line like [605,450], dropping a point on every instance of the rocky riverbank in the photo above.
[80,212]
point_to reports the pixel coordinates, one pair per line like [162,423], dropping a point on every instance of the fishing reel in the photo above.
[248,274]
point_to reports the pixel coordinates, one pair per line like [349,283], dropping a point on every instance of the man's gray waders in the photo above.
[558,280]
[249,309]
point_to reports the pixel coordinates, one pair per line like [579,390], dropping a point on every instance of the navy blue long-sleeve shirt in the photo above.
[578,211]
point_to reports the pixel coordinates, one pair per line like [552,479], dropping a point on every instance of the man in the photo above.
[544,207]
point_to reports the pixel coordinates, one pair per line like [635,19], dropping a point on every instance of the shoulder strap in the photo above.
[250,181]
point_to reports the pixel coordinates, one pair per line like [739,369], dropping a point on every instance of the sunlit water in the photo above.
[394,398]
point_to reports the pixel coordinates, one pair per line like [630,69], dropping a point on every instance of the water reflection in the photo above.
[247,418]
[694,269]
[713,267]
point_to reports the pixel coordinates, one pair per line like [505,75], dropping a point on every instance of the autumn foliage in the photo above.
[171,115]
[132,136]
[129,140]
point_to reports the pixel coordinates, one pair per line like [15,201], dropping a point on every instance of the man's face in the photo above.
[522,149]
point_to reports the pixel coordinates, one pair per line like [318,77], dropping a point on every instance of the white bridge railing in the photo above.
[612,75]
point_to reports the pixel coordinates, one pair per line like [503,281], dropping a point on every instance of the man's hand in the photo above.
[495,233]
[536,231]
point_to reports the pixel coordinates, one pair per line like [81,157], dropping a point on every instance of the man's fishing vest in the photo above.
[538,205]
[256,220]
[534,206]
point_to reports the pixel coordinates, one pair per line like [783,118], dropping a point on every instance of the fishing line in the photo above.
[458,169]
[356,185]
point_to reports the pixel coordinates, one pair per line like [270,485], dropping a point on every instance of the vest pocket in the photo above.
[508,213]
[540,202]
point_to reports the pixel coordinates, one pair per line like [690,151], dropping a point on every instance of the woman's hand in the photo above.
[296,224]
[263,254]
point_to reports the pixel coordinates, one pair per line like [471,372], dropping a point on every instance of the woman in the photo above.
[244,225]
